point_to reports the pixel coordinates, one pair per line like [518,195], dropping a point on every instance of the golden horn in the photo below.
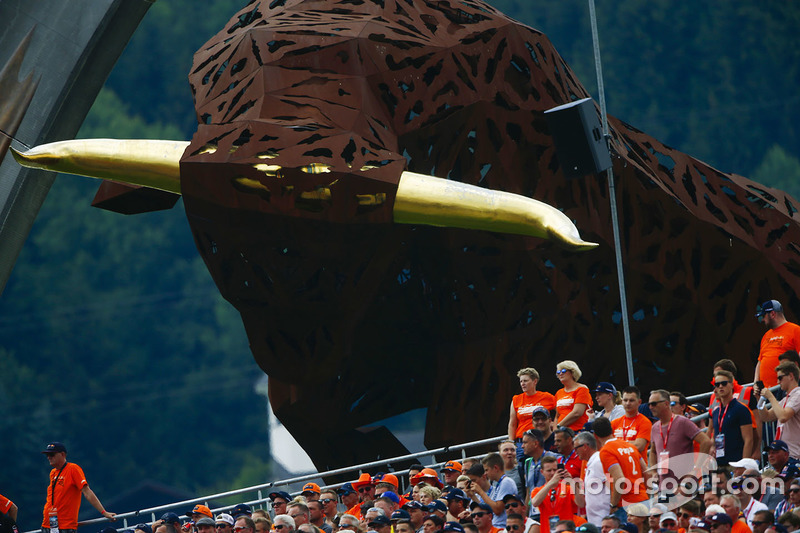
[439,202]
[148,163]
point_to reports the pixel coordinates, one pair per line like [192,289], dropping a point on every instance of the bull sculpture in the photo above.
[361,187]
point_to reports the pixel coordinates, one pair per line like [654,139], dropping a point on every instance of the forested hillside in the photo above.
[113,338]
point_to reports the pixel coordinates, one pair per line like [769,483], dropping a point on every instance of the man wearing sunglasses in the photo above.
[672,435]
[787,410]
[366,492]
[284,523]
[516,507]
[224,523]
[731,422]
[67,485]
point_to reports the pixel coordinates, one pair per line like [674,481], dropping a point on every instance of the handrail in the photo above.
[306,477]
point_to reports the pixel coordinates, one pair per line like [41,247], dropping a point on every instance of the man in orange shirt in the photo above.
[366,491]
[634,426]
[623,462]
[555,497]
[8,508]
[67,484]
[733,508]
[781,336]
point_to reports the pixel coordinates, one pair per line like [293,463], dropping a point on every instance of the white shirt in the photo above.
[598,495]
[750,511]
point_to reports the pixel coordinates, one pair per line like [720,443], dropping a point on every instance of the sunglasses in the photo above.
[241,528]
[362,490]
[512,505]
[673,404]
[479,514]
[721,384]
[280,526]
[685,515]
[653,404]
[779,378]
[794,490]
[327,500]
[563,371]
[222,526]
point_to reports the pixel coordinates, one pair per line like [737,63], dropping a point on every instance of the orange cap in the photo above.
[452,465]
[310,487]
[362,481]
[391,479]
[428,475]
[202,509]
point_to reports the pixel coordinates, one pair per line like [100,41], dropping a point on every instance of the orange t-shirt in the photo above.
[5,504]
[67,496]
[560,503]
[773,343]
[565,401]
[524,406]
[740,526]
[628,458]
[355,510]
[630,429]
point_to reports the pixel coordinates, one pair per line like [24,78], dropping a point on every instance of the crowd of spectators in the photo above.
[580,460]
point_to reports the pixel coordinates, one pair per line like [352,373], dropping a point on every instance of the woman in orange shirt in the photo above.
[520,419]
[573,400]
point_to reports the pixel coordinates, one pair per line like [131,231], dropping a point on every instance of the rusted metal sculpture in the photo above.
[311,111]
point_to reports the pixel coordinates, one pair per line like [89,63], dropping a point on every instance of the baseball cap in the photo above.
[697,408]
[413,504]
[437,505]
[144,527]
[346,489]
[476,505]
[400,514]
[170,518]
[277,494]
[391,479]
[453,466]
[225,518]
[768,307]
[668,516]
[380,521]
[428,475]
[453,526]
[588,527]
[458,494]
[605,386]
[391,495]
[658,509]
[746,463]
[362,481]
[719,518]
[512,496]
[539,410]
[778,445]
[790,470]
[629,527]
[705,525]
[310,487]
[205,521]
[55,447]
[203,510]
[244,509]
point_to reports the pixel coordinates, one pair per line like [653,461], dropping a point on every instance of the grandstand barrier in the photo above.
[131,518]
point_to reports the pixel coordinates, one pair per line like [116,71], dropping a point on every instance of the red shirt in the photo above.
[67,496]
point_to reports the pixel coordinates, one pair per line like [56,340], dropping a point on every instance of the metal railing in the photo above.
[259,490]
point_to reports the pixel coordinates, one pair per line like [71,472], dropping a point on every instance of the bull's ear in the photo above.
[149,163]
[439,202]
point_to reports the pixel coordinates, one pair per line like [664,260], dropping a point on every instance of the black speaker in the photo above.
[578,137]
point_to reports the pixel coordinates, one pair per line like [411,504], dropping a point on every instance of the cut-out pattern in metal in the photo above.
[310,110]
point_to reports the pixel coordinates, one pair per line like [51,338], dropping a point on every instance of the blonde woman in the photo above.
[573,399]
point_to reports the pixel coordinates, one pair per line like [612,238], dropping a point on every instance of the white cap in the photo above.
[668,516]
[225,517]
[746,463]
